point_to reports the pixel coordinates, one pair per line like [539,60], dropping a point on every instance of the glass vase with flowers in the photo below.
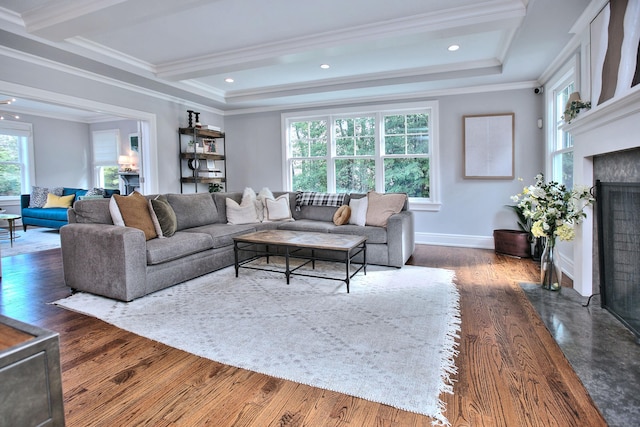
[554,211]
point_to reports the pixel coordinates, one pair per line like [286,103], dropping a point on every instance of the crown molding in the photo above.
[434,22]
[399,97]
[423,74]
[4,51]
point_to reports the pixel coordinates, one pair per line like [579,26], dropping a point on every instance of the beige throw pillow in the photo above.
[342,215]
[382,206]
[241,213]
[277,209]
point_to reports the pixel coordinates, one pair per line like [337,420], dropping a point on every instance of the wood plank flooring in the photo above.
[510,370]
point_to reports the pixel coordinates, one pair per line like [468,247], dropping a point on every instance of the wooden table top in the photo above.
[303,239]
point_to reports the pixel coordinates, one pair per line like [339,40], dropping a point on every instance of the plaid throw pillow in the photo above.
[312,198]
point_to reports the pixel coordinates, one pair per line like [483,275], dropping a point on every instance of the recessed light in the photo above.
[453,48]
[228,80]
[325,66]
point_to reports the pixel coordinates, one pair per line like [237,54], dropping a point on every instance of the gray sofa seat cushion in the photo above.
[177,246]
[374,235]
[193,210]
[222,234]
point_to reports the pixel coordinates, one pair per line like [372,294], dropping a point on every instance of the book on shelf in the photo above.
[210,174]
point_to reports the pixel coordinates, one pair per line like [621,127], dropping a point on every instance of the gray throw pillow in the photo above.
[193,210]
[166,216]
[39,195]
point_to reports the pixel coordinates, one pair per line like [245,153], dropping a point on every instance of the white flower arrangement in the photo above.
[553,209]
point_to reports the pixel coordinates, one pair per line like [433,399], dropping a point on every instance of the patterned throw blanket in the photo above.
[306,198]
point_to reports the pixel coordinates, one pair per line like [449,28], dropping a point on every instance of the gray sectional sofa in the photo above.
[119,262]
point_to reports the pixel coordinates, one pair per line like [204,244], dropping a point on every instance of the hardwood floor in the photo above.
[510,370]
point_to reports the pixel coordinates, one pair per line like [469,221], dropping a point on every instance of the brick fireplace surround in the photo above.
[608,128]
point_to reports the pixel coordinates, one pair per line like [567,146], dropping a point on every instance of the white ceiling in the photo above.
[273,49]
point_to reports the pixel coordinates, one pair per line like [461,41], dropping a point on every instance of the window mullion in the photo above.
[331,155]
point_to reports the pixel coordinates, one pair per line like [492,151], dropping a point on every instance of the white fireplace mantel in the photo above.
[607,128]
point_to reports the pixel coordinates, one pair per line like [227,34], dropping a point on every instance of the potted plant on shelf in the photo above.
[574,106]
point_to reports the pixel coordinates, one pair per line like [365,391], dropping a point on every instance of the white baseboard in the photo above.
[459,240]
[478,242]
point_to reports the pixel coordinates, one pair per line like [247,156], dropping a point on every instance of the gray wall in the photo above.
[61,152]
[471,209]
[169,115]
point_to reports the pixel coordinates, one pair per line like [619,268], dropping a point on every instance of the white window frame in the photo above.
[565,76]
[431,107]
[26,155]
[97,179]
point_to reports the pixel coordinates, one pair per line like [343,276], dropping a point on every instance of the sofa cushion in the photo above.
[223,234]
[56,214]
[382,206]
[78,192]
[92,211]
[134,211]
[193,210]
[54,201]
[165,215]
[39,195]
[374,235]
[358,211]
[241,214]
[277,209]
[342,215]
[179,245]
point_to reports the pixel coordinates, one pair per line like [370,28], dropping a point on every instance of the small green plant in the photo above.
[215,187]
[574,108]
[524,222]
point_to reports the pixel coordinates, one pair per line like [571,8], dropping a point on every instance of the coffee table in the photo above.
[268,243]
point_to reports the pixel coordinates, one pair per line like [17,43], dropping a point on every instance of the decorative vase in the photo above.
[538,247]
[550,272]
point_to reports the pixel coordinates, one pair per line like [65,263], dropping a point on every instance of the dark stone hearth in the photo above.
[604,353]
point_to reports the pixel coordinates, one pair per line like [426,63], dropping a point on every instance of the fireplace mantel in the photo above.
[610,127]
[606,113]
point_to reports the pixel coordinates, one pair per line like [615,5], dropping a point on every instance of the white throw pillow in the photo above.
[239,214]
[358,211]
[114,210]
[264,194]
[248,197]
[278,209]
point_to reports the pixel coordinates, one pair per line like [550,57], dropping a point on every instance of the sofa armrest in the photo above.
[105,259]
[25,199]
[400,238]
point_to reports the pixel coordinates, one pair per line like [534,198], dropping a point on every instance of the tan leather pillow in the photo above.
[134,209]
[342,215]
[382,206]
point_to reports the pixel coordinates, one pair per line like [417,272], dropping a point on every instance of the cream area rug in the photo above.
[34,240]
[391,340]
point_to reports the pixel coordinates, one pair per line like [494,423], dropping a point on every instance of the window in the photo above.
[383,149]
[561,152]
[16,159]
[105,158]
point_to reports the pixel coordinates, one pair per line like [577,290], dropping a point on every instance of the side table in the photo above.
[11,219]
